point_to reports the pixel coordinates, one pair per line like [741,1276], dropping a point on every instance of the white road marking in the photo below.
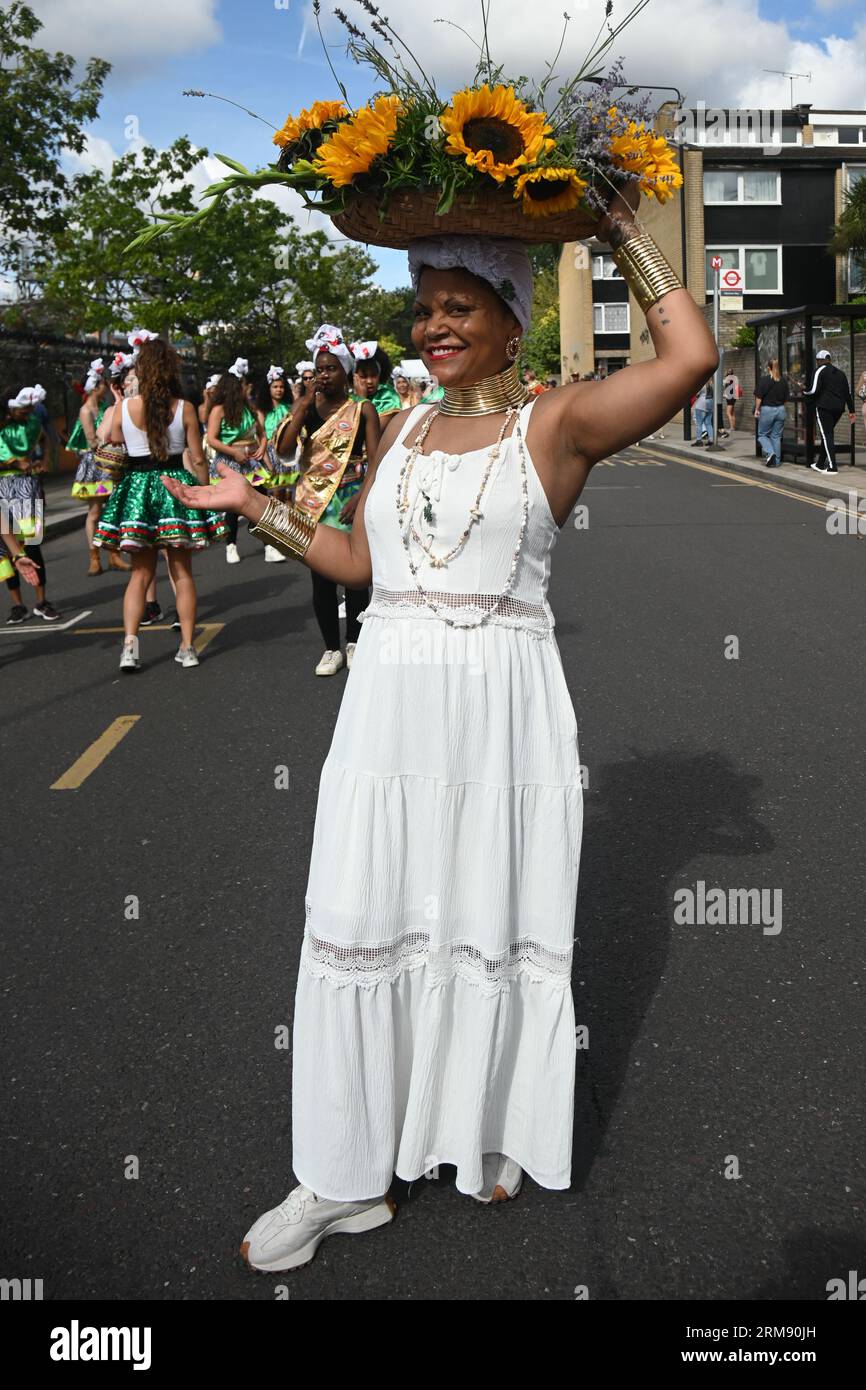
[44,627]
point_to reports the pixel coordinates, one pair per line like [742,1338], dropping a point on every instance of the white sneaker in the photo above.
[232,556]
[129,660]
[290,1234]
[329,664]
[274,556]
[350,652]
[503,1178]
[187,656]
[816,467]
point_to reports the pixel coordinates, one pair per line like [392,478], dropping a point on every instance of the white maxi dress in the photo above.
[434,1018]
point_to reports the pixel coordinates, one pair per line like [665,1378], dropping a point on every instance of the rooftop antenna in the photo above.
[807,77]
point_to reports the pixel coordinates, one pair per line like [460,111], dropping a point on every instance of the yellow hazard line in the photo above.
[207,632]
[96,754]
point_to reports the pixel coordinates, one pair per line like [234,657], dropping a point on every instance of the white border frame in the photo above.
[604,305]
[742,247]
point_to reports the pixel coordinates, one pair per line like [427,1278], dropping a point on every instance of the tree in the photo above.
[849,234]
[244,280]
[42,112]
[540,349]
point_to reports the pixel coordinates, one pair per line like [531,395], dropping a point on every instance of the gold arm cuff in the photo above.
[285,527]
[645,270]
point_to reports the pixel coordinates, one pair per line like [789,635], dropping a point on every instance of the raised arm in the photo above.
[601,417]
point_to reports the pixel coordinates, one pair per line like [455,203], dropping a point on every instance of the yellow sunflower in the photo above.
[311,118]
[640,151]
[494,131]
[549,190]
[353,147]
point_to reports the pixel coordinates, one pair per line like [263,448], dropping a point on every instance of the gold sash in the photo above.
[326,455]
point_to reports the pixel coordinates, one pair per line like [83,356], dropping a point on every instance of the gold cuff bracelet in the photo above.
[645,270]
[285,527]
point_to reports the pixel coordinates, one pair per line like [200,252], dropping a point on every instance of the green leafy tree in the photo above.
[43,110]
[540,349]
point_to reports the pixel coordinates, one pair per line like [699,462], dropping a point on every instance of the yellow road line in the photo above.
[208,631]
[94,755]
[758,482]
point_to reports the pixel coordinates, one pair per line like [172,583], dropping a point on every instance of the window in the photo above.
[748,186]
[825,135]
[761,267]
[610,318]
[603,268]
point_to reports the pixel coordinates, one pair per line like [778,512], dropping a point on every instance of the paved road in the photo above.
[155,1037]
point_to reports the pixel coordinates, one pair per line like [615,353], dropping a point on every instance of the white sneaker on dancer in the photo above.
[232,554]
[129,660]
[503,1178]
[329,664]
[274,556]
[290,1234]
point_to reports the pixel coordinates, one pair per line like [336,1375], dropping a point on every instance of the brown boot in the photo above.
[117,561]
[95,566]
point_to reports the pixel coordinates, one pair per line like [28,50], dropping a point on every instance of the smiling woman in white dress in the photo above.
[434,1020]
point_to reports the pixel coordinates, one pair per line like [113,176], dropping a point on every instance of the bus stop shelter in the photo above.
[794,337]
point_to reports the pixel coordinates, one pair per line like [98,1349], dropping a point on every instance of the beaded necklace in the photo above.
[407,526]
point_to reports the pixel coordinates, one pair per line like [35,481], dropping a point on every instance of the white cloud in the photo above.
[713,52]
[127,35]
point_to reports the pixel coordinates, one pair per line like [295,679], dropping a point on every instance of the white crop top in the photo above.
[135,439]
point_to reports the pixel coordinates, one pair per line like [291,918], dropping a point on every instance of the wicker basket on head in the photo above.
[412,213]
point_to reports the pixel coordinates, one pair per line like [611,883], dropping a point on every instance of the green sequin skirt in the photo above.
[142,512]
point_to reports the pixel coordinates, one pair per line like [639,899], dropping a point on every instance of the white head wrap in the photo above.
[327,338]
[362,352]
[502,262]
[95,374]
[274,373]
[22,400]
[239,367]
[301,367]
[120,362]
[212,381]
[39,393]
[139,336]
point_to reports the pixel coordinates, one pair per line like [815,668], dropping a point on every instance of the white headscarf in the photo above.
[39,393]
[327,338]
[22,400]
[362,352]
[212,381]
[301,367]
[137,337]
[275,373]
[239,367]
[502,261]
[95,374]
[120,362]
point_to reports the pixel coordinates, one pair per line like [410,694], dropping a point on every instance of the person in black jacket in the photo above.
[771,393]
[829,393]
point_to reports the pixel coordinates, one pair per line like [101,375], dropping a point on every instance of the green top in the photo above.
[78,439]
[434,394]
[18,437]
[229,434]
[274,417]
[384,400]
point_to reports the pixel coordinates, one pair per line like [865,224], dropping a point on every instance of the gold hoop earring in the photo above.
[512,348]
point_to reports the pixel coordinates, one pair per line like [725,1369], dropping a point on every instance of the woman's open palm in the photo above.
[230,494]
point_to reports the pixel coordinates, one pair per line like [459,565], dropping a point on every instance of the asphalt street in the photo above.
[718,1140]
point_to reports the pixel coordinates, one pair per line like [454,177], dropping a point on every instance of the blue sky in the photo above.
[252,50]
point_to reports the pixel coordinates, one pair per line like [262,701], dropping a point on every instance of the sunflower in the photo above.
[358,141]
[549,190]
[311,118]
[494,131]
[642,152]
